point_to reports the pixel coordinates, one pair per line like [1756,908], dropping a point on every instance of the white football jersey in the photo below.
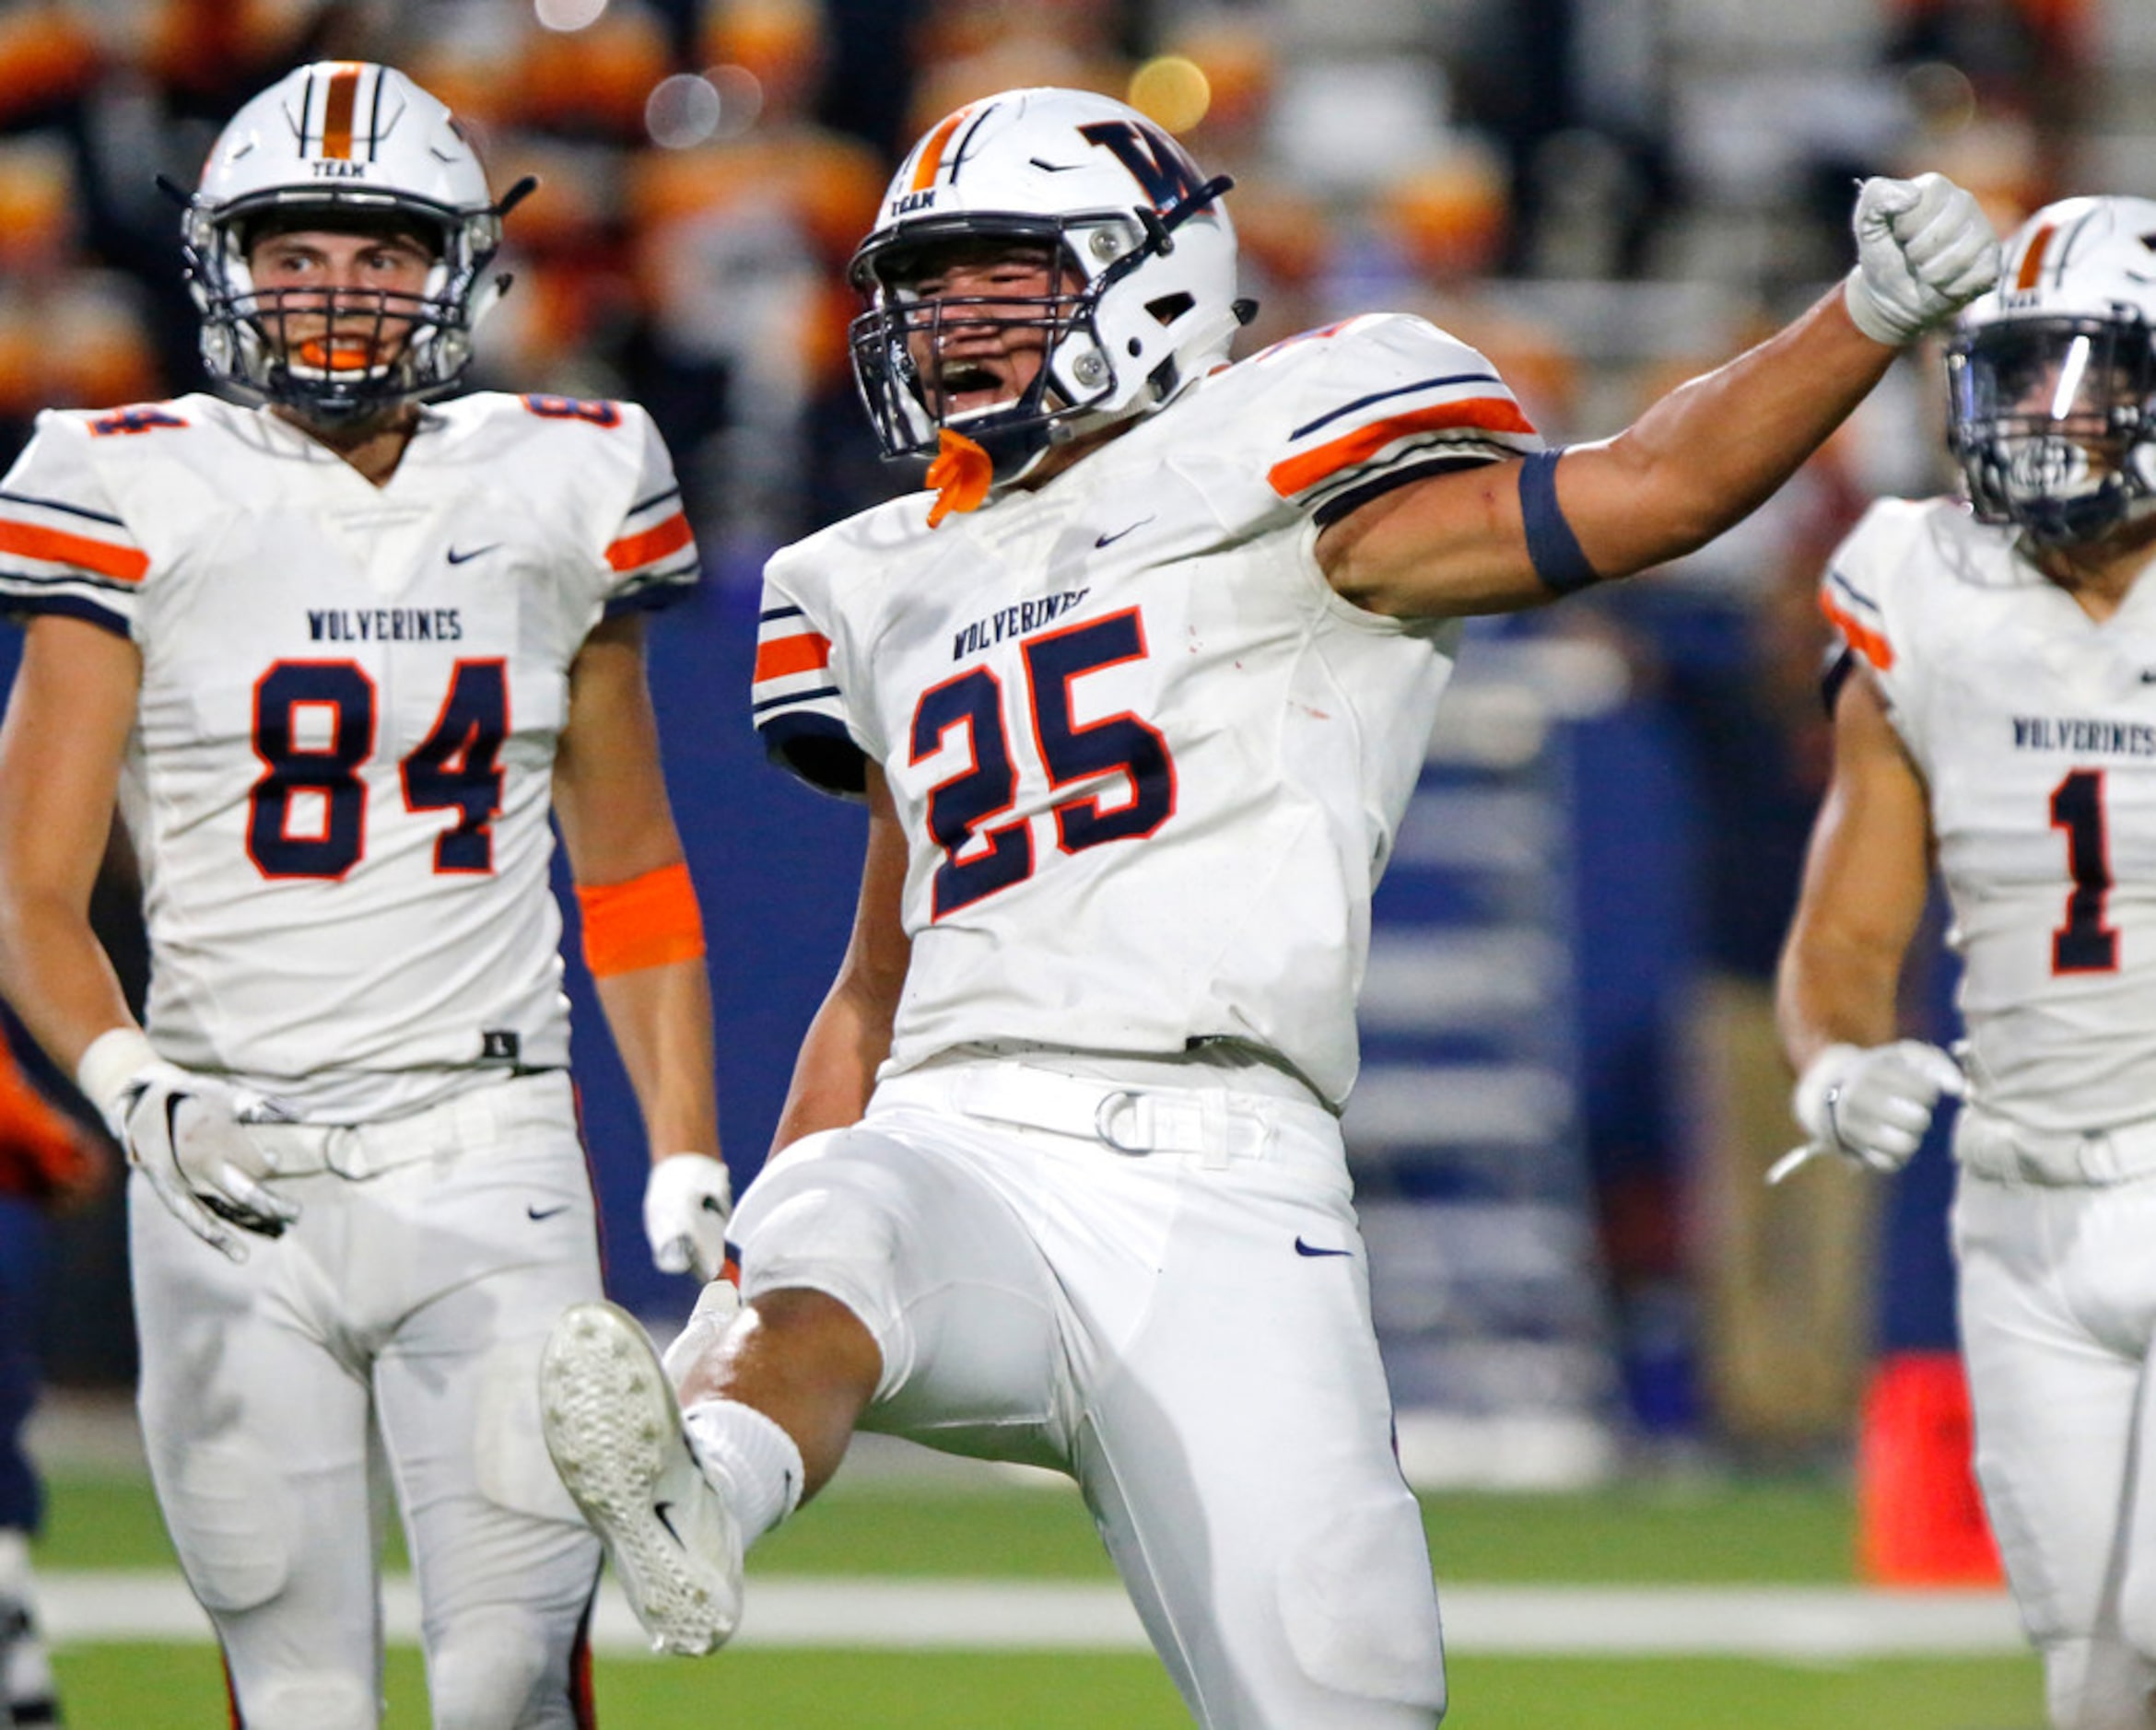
[1149,765]
[340,777]
[2035,729]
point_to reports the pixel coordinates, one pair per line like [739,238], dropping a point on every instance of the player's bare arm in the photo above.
[60,747]
[618,827]
[850,1034]
[1866,877]
[1861,1093]
[1695,463]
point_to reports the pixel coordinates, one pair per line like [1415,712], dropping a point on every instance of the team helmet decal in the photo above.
[2052,375]
[1147,303]
[340,145]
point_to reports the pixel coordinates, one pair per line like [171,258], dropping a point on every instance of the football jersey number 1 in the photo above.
[314,724]
[2084,943]
[960,808]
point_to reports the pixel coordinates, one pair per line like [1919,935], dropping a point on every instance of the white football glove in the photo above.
[184,1133]
[687,1200]
[1870,1104]
[1924,250]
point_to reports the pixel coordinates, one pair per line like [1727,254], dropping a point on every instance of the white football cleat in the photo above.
[614,1428]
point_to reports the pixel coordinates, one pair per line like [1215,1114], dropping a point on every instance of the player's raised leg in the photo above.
[615,1430]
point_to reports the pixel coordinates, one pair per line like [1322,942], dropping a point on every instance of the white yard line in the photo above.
[1793,1623]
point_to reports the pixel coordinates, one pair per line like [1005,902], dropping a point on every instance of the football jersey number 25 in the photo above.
[314,724]
[981,857]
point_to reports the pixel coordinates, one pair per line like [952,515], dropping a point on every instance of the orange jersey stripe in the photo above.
[336,113]
[931,153]
[126,564]
[1486,414]
[783,655]
[633,550]
[1865,641]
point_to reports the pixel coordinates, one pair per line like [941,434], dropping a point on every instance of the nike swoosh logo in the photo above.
[661,1511]
[1109,540]
[1307,1249]
[544,1213]
[1057,168]
[456,557]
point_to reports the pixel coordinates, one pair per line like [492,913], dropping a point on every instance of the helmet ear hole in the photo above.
[1169,308]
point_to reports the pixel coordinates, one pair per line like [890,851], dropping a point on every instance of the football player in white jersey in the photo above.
[1135,702]
[338,656]
[1995,710]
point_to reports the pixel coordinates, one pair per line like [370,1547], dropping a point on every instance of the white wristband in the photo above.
[108,1063]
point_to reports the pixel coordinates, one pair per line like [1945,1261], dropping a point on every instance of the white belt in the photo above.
[1993,1148]
[360,1150]
[1207,1121]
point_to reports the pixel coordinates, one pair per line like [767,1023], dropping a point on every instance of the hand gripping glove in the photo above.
[687,1200]
[1870,1104]
[185,1133]
[1924,250]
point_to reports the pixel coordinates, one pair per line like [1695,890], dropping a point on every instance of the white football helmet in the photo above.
[1112,198]
[339,145]
[2052,375]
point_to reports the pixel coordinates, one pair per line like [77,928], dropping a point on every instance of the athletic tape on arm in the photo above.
[645,922]
[1552,545]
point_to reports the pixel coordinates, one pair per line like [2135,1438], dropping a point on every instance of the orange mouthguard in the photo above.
[960,474]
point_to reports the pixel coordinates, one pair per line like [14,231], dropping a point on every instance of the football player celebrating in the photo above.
[1993,709]
[1135,702]
[339,655]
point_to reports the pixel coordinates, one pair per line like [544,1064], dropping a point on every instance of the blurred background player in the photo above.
[46,1162]
[1993,709]
[338,656]
[1135,702]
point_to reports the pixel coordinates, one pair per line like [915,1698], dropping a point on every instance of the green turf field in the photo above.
[1721,1533]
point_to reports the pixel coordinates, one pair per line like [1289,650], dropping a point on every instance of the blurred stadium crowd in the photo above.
[1598,193]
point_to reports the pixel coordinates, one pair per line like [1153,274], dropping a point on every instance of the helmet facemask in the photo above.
[380,350]
[1078,386]
[2048,420]
[348,147]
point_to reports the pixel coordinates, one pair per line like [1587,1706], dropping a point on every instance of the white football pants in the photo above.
[2059,1314]
[1186,1329]
[398,1323]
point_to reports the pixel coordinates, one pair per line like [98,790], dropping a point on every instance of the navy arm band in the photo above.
[1553,548]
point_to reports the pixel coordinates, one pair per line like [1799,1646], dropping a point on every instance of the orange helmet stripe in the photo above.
[336,113]
[932,152]
[2033,260]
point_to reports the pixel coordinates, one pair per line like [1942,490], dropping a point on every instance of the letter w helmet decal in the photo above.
[1149,302]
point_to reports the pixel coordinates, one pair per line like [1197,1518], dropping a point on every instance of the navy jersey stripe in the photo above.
[72,576]
[1403,390]
[793,697]
[67,607]
[54,504]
